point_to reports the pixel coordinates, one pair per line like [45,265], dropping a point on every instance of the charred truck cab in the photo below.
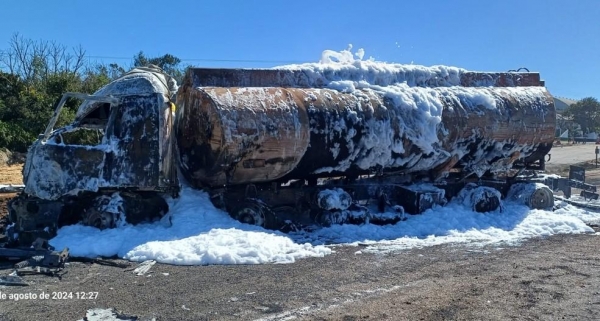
[107,167]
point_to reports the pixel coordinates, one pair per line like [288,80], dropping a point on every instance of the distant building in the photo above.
[565,125]
[562,103]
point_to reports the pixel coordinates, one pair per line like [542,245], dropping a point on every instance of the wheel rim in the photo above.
[251,214]
[101,220]
[541,198]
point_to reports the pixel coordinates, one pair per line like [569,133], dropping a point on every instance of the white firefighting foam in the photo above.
[194,232]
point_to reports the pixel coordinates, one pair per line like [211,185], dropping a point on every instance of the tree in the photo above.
[33,77]
[19,109]
[35,74]
[586,113]
[34,61]
[169,63]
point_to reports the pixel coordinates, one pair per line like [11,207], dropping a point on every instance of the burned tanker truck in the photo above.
[297,146]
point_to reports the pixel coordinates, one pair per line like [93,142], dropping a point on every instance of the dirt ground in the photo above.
[544,279]
[11,174]
[554,278]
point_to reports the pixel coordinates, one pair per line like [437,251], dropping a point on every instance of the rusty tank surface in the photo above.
[255,126]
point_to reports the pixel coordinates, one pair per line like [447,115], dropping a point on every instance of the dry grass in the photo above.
[11,174]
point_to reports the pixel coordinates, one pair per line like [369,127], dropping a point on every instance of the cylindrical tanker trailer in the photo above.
[231,136]
[242,133]
[291,146]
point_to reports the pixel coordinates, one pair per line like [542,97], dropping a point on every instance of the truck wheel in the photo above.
[487,202]
[541,198]
[328,218]
[100,213]
[98,219]
[255,212]
[535,195]
[480,199]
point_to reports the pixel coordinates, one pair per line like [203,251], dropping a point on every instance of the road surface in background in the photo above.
[572,154]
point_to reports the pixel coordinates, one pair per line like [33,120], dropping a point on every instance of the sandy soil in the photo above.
[11,174]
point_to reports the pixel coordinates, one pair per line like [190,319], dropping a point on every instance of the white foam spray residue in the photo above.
[343,69]
[456,223]
[195,232]
[416,93]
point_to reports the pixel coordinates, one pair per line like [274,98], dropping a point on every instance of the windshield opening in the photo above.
[97,117]
[78,136]
[86,130]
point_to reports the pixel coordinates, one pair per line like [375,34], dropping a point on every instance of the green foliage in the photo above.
[33,78]
[14,136]
[23,112]
[586,113]
[35,75]
[83,136]
[169,63]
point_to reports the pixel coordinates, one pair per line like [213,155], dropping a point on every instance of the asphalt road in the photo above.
[572,154]
[543,279]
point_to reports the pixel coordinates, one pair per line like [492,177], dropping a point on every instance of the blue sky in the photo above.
[558,38]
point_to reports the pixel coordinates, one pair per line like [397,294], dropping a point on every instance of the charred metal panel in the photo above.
[352,135]
[521,127]
[417,201]
[215,77]
[222,134]
[135,117]
[240,135]
[134,135]
[128,156]
[34,218]
[337,124]
[577,173]
[138,81]
[55,170]
[167,163]
[500,79]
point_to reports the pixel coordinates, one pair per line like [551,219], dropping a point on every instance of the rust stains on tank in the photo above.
[234,126]
[241,135]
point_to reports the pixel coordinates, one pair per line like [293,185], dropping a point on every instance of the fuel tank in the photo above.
[253,126]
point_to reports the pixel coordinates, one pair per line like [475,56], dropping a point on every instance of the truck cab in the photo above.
[119,142]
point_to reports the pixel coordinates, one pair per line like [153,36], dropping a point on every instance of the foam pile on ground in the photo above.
[200,234]
[457,223]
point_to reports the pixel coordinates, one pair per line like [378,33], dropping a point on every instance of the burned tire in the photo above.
[488,202]
[255,212]
[356,215]
[535,195]
[481,199]
[328,218]
[541,198]
[98,219]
